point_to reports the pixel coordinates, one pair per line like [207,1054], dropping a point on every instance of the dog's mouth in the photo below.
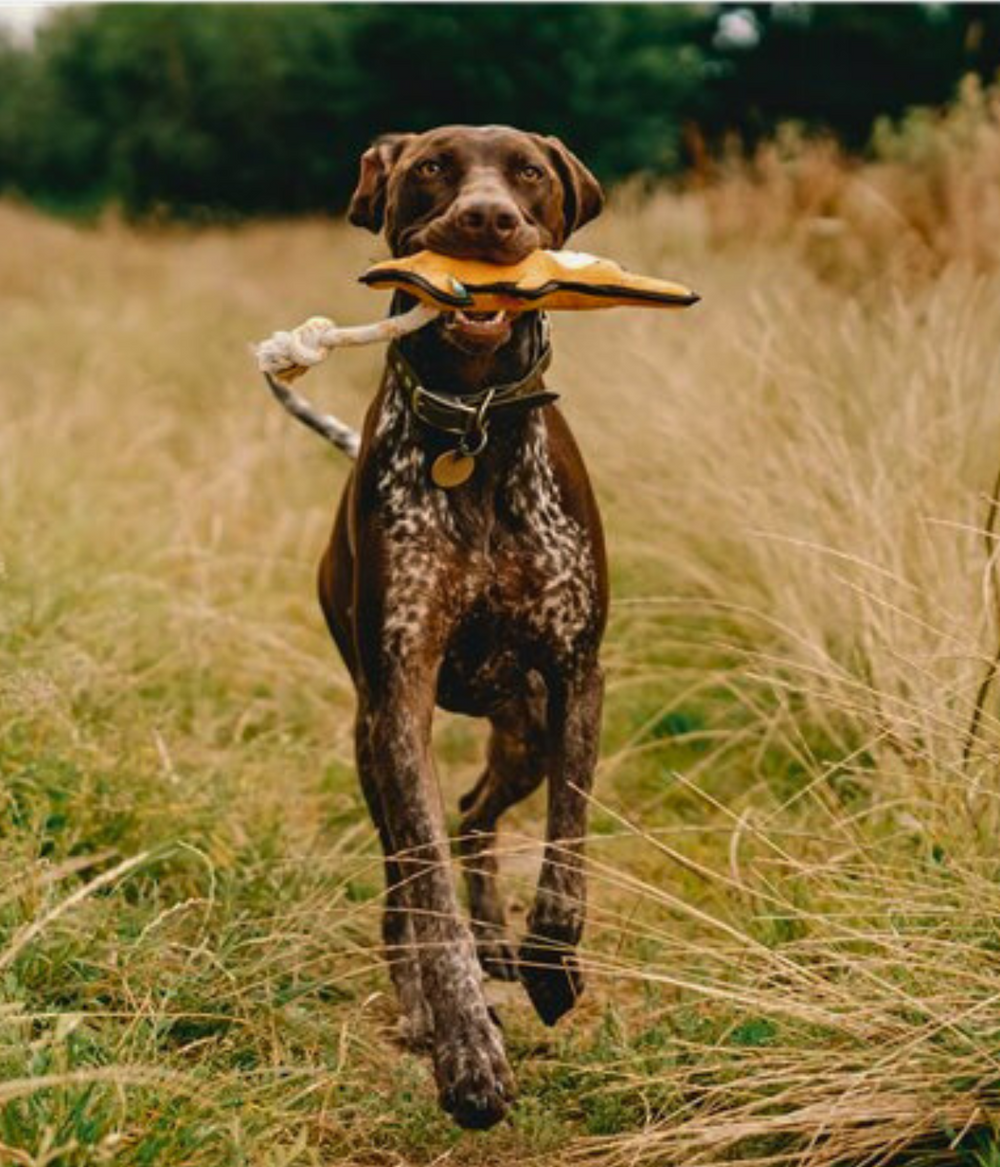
[479,330]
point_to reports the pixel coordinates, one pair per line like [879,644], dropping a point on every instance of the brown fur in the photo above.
[489,599]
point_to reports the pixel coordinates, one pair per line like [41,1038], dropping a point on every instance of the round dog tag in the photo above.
[451,468]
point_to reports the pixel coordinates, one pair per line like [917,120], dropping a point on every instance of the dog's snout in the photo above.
[488,218]
[482,216]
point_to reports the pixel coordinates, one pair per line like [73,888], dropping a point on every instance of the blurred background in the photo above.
[792,938]
[261,109]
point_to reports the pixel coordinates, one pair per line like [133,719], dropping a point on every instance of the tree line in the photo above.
[216,110]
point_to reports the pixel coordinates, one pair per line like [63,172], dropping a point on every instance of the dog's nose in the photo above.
[488,218]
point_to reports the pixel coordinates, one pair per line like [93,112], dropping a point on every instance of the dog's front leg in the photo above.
[416,1026]
[549,967]
[475,1084]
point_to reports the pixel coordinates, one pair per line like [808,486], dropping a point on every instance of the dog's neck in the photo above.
[444,368]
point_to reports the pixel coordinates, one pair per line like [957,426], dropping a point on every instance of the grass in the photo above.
[793,943]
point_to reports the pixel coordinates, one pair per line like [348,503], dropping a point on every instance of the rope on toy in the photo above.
[285,356]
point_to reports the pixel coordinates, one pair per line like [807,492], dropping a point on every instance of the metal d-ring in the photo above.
[479,428]
[477,449]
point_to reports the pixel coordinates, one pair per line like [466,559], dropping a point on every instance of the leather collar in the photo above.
[468,415]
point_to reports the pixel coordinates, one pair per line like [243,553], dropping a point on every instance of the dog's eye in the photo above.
[531,173]
[428,168]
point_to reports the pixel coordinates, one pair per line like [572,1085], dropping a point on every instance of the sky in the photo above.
[21,19]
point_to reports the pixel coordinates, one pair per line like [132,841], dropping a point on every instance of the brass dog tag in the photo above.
[452,468]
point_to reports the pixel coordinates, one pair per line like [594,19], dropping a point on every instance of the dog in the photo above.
[487,598]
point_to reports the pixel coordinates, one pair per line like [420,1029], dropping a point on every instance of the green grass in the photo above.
[792,948]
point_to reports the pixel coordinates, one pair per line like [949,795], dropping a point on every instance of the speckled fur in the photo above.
[489,600]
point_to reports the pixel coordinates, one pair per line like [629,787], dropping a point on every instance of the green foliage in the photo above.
[608,79]
[842,65]
[256,109]
[263,109]
[191,108]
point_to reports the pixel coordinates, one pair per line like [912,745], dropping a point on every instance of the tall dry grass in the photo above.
[793,942]
[925,201]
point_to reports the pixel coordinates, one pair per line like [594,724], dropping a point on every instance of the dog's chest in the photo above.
[503,566]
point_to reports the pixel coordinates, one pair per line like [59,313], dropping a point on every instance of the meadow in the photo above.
[793,948]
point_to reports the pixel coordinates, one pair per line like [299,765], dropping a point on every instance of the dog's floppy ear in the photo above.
[583,198]
[367,207]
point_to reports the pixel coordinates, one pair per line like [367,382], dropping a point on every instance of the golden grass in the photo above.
[928,199]
[793,942]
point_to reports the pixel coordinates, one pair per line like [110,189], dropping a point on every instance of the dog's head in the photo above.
[474,192]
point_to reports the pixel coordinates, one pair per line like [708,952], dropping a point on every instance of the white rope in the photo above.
[284,356]
[288,354]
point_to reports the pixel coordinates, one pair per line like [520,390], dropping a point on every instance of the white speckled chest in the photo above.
[515,584]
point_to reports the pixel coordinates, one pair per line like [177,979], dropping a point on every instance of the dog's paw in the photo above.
[550,973]
[475,1083]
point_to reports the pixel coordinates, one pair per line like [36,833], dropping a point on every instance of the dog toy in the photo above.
[562,280]
[287,355]
[545,280]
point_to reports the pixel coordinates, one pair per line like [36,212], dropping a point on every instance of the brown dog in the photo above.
[488,599]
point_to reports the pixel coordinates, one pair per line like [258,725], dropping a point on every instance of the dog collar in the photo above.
[468,416]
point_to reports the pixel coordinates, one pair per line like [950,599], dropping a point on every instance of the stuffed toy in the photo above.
[545,280]
[561,280]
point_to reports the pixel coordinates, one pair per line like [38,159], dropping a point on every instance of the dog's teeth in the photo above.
[474,318]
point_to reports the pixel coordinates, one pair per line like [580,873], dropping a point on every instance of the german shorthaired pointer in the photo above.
[488,598]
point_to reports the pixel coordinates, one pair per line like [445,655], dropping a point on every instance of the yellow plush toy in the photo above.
[561,280]
[568,280]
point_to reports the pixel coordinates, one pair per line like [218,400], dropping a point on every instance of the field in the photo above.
[793,948]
